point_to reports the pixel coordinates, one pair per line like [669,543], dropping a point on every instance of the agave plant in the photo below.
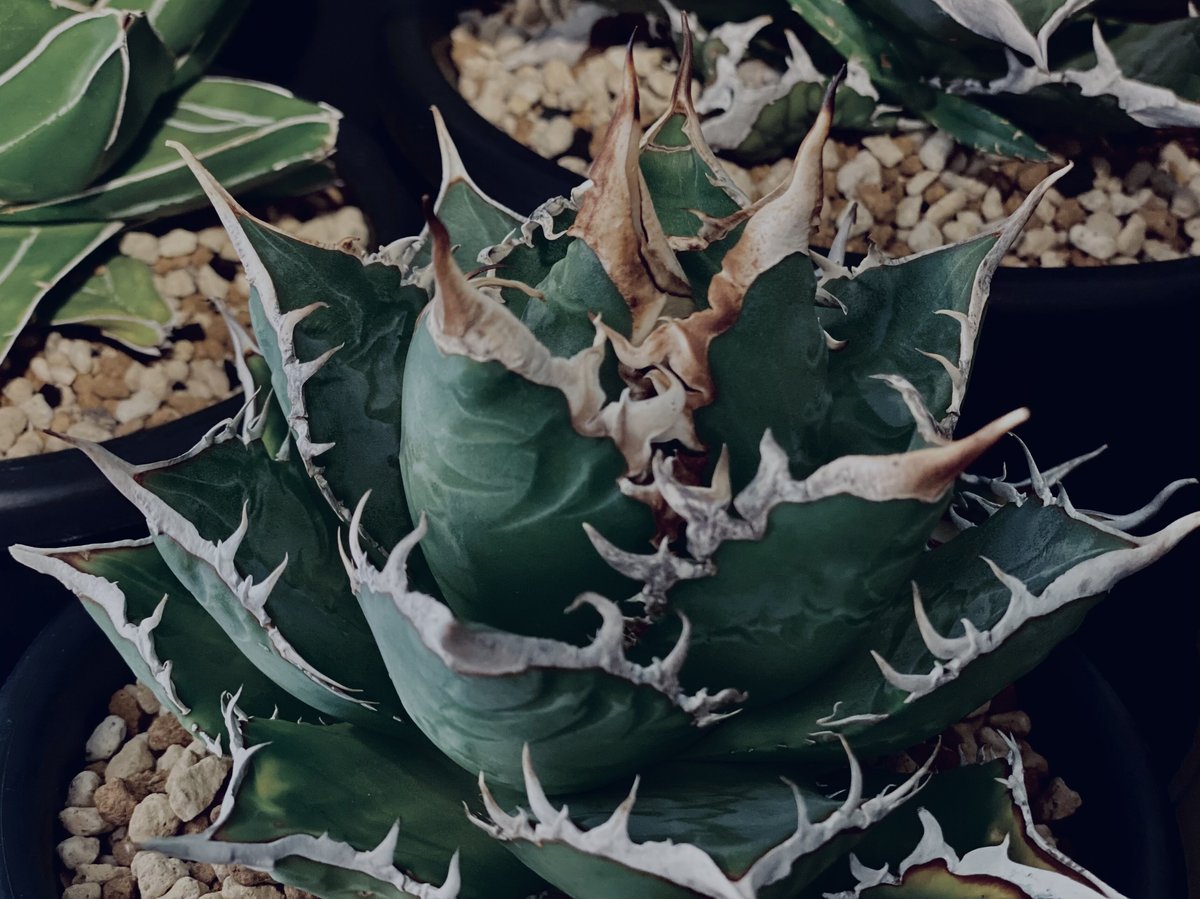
[91,91]
[629,526]
[997,76]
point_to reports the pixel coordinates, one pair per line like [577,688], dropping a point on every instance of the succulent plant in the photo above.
[91,92]
[997,76]
[630,526]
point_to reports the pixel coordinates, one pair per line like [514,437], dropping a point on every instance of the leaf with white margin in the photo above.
[798,576]
[976,805]
[33,259]
[917,317]
[169,642]
[986,608]
[335,328]
[252,539]
[480,694]
[475,220]
[506,449]
[121,300]
[289,809]
[1008,860]
[76,100]
[722,831]
[247,134]
[1164,96]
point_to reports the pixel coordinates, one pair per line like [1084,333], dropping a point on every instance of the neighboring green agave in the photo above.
[90,92]
[649,406]
[998,75]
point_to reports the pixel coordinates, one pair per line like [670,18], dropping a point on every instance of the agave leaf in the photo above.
[776,340]
[286,812]
[687,830]
[244,132]
[333,327]
[789,558]
[977,839]
[916,318]
[252,539]
[121,300]
[35,258]
[500,451]
[976,126]
[1048,565]
[169,642]
[192,30]
[475,219]
[480,695]
[76,99]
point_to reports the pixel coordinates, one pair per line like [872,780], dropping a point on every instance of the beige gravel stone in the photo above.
[78,850]
[105,739]
[82,789]
[140,246]
[98,873]
[191,789]
[186,888]
[83,821]
[177,242]
[132,758]
[156,873]
[152,818]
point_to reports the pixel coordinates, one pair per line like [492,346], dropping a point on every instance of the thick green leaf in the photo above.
[253,540]
[776,340]
[35,258]
[75,101]
[121,300]
[806,596]
[507,484]
[1034,543]
[192,30]
[351,403]
[122,586]
[690,830]
[353,786]
[893,312]
[482,695]
[244,132]
[976,126]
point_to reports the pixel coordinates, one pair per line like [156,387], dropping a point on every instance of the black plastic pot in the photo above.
[59,690]
[1101,355]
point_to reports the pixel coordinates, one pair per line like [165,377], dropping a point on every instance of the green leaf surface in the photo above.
[310,602]
[690,830]
[892,313]
[192,30]
[122,585]
[507,484]
[353,785]
[352,401]
[481,695]
[1032,542]
[806,596]
[121,300]
[75,102]
[776,340]
[979,127]
[245,133]
[32,260]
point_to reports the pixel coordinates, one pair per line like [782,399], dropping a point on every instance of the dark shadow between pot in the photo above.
[59,692]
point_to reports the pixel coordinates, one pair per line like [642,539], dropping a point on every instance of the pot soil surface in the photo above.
[914,191]
[70,381]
